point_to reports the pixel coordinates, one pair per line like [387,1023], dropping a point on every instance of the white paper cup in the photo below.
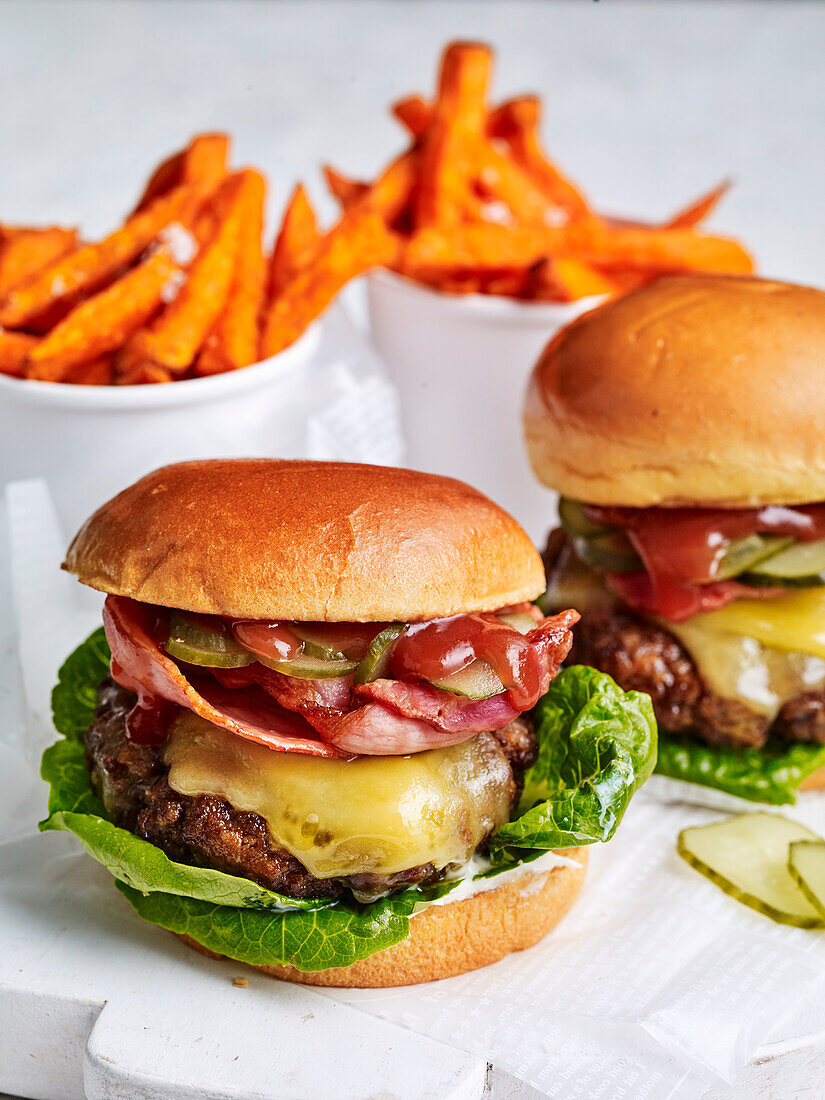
[89,442]
[461,365]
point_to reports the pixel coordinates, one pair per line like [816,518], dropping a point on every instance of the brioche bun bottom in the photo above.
[451,939]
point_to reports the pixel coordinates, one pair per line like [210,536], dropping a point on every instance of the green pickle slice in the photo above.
[374,664]
[801,565]
[307,667]
[747,857]
[745,553]
[519,620]
[806,864]
[195,644]
[476,681]
[610,553]
[575,521]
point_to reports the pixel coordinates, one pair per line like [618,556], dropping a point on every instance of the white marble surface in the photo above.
[647,105]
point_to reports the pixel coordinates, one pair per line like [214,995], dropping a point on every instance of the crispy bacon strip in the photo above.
[139,665]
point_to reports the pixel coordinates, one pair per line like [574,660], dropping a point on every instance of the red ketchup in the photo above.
[433,650]
[267,639]
[681,549]
[148,722]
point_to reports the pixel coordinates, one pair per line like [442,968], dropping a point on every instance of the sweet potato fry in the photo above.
[168,174]
[459,113]
[659,250]
[358,242]
[14,351]
[565,280]
[297,240]
[480,248]
[503,180]
[233,341]
[346,191]
[692,215]
[96,373]
[26,254]
[175,337]
[103,322]
[517,123]
[486,247]
[414,113]
[203,163]
[141,373]
[94,264]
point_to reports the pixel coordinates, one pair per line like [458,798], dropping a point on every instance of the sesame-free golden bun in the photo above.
[312,541]
[699,390]
[451,939]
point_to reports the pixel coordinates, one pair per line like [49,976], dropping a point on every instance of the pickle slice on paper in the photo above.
[806,863]
[747,857]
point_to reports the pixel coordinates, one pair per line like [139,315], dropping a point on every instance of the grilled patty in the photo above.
[206,831]
[642,656]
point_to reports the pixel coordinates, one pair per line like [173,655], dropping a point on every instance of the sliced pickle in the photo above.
[476,681]
[806,864]
[574,584]
[610,553]
[375,662]
[745,553]
[520,621]
[307,667]
[195,644]
[574,520]
[316,644]
[747,857]
[801,565]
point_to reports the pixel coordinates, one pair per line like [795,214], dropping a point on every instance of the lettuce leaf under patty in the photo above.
[770,774]
[597,745]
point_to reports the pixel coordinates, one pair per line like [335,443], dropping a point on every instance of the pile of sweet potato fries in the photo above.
[479,208]
[184,288]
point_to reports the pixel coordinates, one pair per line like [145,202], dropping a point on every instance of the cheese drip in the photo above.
[374,814]
[761,652]
[739,666]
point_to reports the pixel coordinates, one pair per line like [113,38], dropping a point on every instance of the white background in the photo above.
[647,104]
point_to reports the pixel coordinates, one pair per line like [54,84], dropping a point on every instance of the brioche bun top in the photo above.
[700,390]
[301,540]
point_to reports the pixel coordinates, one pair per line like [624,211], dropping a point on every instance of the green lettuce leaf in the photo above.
[597,745]
[338,936]
[770,774]
[74,807]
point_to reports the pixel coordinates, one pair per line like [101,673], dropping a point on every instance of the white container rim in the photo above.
[171,395]
[494,307]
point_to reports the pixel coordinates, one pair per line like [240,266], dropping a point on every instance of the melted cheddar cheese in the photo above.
[379,814]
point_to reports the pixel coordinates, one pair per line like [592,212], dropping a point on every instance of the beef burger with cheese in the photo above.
[321,731]
[680,424]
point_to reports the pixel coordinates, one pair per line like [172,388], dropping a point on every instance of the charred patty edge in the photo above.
[207,831]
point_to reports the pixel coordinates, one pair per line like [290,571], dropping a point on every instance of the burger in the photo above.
[321,730]
[680,426]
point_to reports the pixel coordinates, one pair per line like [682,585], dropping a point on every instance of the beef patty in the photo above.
[205,831]
[642,656]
